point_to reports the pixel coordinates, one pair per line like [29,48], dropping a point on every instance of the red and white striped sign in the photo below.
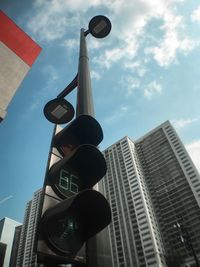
[17,54]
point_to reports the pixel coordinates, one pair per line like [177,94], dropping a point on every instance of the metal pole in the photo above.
[85,106]
[69,88]
[84,92]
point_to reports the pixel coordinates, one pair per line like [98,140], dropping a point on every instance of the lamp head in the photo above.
[99,26]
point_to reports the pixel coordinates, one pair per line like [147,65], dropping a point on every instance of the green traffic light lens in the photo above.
[65,235]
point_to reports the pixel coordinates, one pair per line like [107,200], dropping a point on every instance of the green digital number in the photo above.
[64,179]
[73,184]
[68,181]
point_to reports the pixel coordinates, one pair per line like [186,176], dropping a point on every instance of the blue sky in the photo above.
[145,72]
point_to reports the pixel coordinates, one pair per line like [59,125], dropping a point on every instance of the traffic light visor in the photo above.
[83,130]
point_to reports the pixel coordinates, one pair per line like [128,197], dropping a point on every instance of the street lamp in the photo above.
[99,26]
[59,110]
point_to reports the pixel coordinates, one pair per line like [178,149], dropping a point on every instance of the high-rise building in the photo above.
[7,233]
[26,256]
[15,246]
[154,192]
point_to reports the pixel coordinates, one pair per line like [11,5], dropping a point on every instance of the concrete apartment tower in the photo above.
[26,256]
[153,187]
[7,233]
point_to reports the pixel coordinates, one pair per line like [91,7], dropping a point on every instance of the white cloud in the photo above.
[94,44]
[152,89]
[117,115]
[179,124]
[56,19]
[194,150]
[109,57]
[129,84]
[125,51]
[50,27]
[131,31]
[136,67]
[173,41]
[95,75]
[52,19]
[71,43]
[195,17]
[66,5]
[5,199]
[166,52]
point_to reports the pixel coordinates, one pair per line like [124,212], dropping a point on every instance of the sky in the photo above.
[146,71]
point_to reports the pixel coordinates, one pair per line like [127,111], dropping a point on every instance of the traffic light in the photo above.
[72,212]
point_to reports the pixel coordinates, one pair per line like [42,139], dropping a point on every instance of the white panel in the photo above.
[12,72]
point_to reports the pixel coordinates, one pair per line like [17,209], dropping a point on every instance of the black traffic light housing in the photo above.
[85,162]
[83,130]
[80,218]
[72,211]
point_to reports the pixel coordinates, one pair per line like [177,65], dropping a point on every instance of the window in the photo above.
[144,228]
[150,256]
[152,262]
[148,245]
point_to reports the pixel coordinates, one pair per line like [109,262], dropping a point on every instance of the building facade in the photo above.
[17,54]
[7,233]
[26,256]
[153,187]
[15,246]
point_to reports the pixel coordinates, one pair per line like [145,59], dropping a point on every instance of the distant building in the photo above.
[15,246]
[152,185]
[7,233]
[2,253]
[26,256]
[99,250]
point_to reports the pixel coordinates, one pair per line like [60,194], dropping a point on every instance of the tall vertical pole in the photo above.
[84,93]
[99,27]
[84,106]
